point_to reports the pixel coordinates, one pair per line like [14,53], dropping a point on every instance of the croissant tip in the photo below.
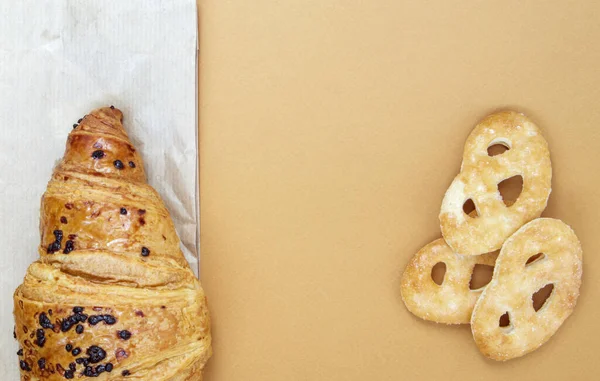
[108,116]
[112,111]
[108,112]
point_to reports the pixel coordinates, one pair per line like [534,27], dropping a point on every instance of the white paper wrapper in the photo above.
[60,59]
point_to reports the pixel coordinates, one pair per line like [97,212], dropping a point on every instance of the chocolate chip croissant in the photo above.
[112,296]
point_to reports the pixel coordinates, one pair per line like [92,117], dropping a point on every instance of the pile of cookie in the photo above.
[528,253]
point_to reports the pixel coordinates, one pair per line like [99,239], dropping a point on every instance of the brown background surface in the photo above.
[329,132]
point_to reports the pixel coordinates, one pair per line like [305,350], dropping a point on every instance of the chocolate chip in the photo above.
[20,352]
[123,211]
[69,374]
[139,313]
[69,205]
[82,360]
[95,319]
[132,164]
[76,351]
[112,107]
[109,367]
[98,154]
[89,371]
[42,363]
[145,252]
[14,333]
[63,220]
[110,320]
[24,366]
[68,347]
[69,247]
[58,234]
[141,212]
[79,329]
[142,221]
[163,307]
[96,354]
[40,337]
[75,125]
[100,368]
[68,323]
[118,164]
[72,366]
[125,373]
[25,329]
[125,335]
[45,321]
[53,247]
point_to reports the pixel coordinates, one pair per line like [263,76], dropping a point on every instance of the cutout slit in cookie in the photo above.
[481,276]
[470,209]
[510,189]
[497,148]
[541,296]
[438,272]
[535,258]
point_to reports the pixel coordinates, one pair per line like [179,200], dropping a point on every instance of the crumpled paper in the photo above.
[58,60]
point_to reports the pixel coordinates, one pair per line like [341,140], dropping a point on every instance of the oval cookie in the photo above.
[527,156]
[451,302]
[543,252]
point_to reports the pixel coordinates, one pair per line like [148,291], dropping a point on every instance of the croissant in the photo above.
[112,296]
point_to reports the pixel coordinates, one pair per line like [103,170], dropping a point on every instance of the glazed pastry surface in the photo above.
[111,297]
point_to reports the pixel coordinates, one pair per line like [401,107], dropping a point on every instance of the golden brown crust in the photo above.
[112,285]
[514,282]
[101,214]
[480,175]
[451,302]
